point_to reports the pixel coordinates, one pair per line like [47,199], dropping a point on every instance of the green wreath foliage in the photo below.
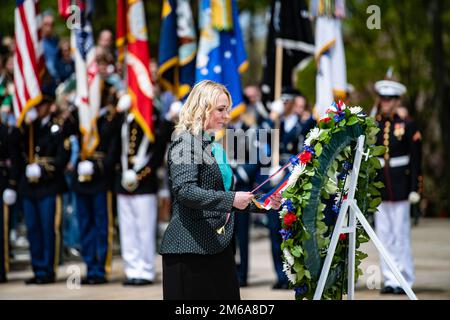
[316,189]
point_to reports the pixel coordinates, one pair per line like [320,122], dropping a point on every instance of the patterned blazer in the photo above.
[200,205]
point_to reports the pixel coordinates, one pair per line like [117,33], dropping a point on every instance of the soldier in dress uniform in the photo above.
[9,177]
[93,182]
[245,151]
[400,173]
[137,186]
[293,130]
[45,155]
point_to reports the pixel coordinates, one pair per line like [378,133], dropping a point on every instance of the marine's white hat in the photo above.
[389,88]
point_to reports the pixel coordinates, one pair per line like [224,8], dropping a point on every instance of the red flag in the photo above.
[121,27]
[131,27]
[63,8]
[28,57]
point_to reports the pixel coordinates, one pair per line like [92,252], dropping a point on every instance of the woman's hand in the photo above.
[275,201]
[242,200]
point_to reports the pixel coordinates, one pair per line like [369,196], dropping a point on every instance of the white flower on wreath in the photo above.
[288,272]
[355,110]
[283,212]
[288,256]
[295,175]
[313,135]
[337,197]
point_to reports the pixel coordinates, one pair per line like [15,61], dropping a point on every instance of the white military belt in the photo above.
[396,161]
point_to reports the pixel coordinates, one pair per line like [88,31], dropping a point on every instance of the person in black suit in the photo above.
[197,248]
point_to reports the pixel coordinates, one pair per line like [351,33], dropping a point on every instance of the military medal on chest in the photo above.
[399,130]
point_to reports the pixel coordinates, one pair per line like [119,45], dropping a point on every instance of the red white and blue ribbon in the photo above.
[263,201]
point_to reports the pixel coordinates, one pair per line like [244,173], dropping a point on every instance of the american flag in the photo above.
[28,57]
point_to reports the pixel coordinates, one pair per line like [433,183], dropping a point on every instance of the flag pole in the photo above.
[277,95]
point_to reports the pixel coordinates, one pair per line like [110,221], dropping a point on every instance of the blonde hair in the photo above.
[198,106]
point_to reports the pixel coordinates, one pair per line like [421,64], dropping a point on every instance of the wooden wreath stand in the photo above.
[350,208]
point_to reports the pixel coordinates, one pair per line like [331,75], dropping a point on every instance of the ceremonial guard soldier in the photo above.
[137,186]
[292,132]
[9,153]
[45,154]
[400,173]
[93,183]
[245,146]
[9,177]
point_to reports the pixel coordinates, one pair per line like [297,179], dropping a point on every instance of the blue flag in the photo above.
[221,55]
[177,48]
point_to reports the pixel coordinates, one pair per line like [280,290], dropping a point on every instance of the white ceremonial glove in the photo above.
[31,115]
[174,110]
[85,168]
[33,171]
[164,193]
[9,197]
[277,106]
[129,180]
[124,103]
[414,197]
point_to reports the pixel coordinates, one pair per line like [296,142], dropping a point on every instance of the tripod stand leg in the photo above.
[383,252]
[330,253]
[351,255]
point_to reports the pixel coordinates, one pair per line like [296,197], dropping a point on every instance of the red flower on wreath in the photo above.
[289,219]
[305,157]
[342,236]
[326,119]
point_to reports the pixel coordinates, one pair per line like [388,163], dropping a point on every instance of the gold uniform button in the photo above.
[386,136]
[134,131]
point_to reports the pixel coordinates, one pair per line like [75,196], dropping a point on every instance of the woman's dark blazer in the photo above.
[200,204]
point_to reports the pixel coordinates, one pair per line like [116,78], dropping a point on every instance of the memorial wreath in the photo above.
[315,190]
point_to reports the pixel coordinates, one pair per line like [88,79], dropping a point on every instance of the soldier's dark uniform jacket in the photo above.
[147,178]
[44,139]
[9,177]
[401,164]
[291,142]
[105,155]
[9,154]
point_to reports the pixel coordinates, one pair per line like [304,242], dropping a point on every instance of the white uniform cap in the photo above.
[389,88]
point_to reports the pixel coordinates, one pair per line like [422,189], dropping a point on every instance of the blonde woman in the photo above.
[197,247]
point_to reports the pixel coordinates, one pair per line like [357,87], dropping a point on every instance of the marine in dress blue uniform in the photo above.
[401,175]
[136,186]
